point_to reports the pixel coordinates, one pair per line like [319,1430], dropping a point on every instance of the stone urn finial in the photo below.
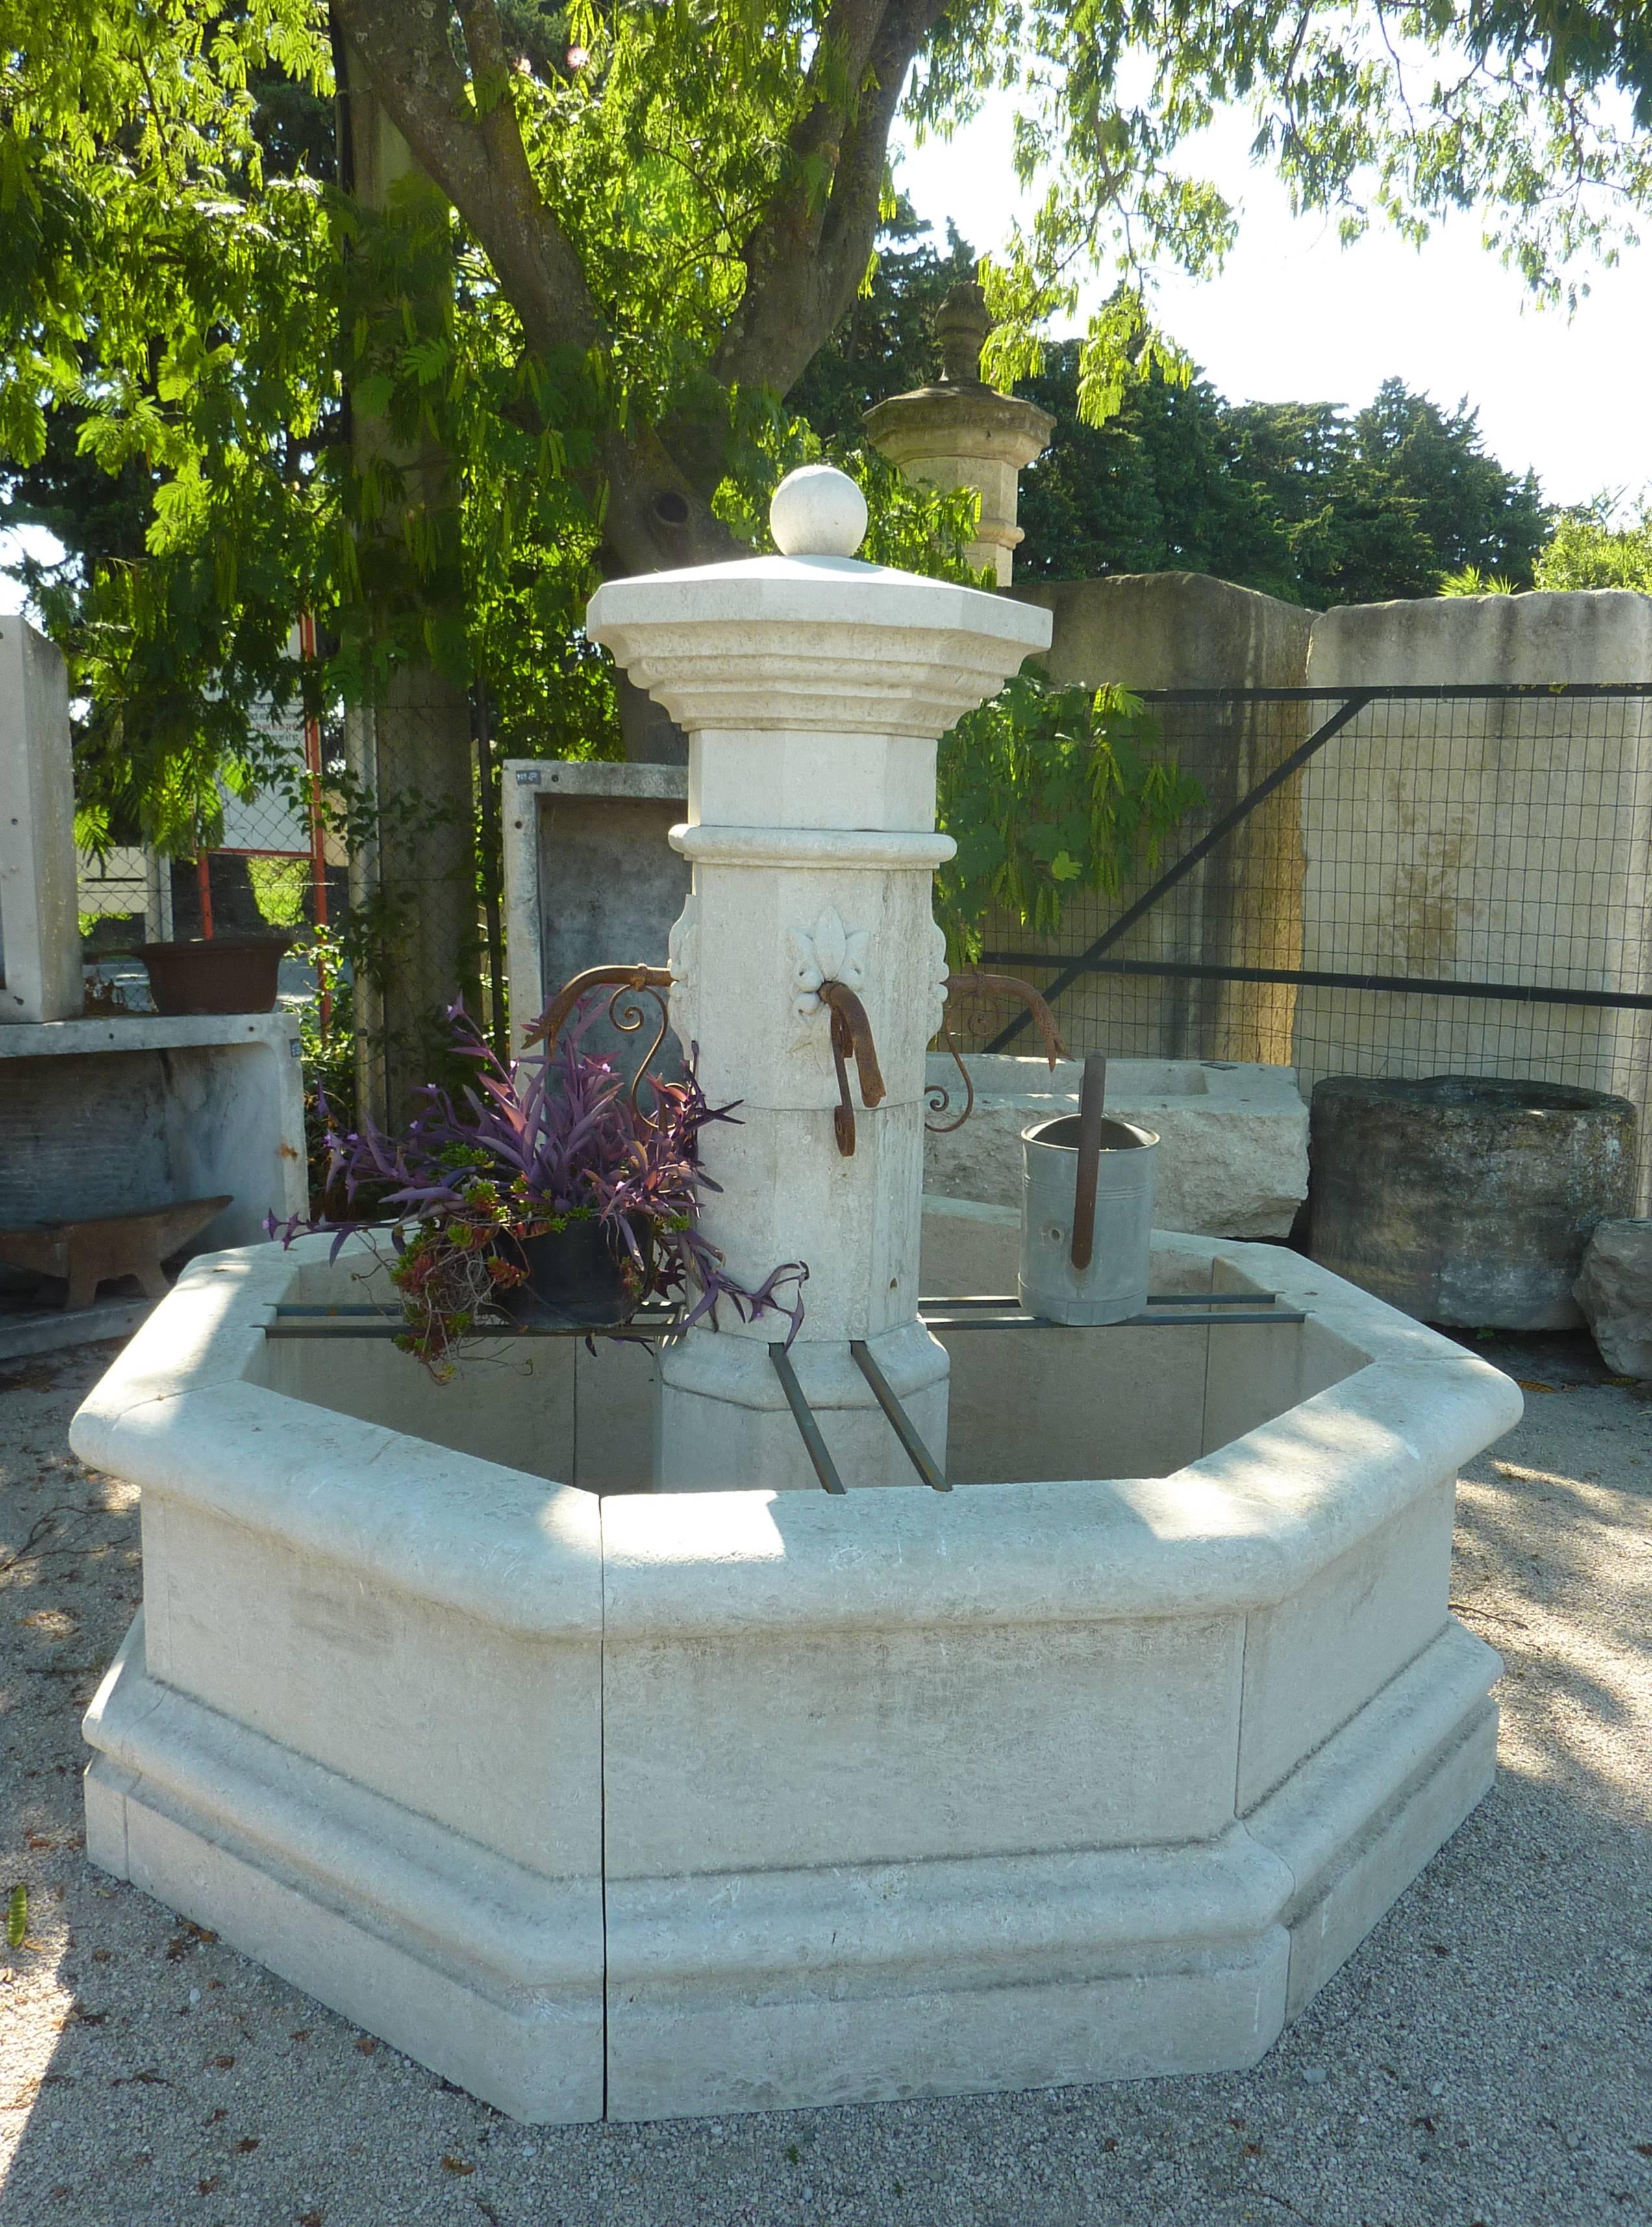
[960,433]
[961,327]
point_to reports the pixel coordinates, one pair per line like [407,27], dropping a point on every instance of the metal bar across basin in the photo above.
[1231,1312]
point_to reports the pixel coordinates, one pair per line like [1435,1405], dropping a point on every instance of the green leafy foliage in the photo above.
[1050,791]
[884,344]
[1154,489]
[435,422]
[1305,501]
[1588,551]
[1388,500]
[279,886]
[17,1917]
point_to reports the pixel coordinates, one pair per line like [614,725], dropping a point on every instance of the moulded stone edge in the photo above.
[487,1923]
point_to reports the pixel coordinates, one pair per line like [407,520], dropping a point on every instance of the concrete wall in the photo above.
[103,1117]
[1185,630]
[40,936]
[1503,840]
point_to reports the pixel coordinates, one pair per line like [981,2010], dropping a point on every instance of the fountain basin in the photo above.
[598,1801]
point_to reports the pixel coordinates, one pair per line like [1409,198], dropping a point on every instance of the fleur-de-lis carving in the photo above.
[831,953]
[935,943]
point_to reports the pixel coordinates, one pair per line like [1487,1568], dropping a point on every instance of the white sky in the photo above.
[1295,316]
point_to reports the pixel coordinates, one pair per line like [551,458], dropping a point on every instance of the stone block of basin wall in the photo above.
[1232,1158]
[1187,630]
[40,932]
[1448,846]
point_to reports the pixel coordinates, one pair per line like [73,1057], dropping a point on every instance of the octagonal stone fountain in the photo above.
[556,1727]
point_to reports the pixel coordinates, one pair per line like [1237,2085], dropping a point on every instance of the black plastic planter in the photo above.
[575,1276]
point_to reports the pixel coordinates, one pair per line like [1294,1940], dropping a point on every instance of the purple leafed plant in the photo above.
[523,1152]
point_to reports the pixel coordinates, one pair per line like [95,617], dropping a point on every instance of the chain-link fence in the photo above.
[1392,881]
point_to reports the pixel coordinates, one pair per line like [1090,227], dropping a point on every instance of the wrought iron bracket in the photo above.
[654,982]
[975,985]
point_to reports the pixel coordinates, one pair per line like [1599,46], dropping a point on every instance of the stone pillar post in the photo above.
[40,933]
[961,433]
[812,688]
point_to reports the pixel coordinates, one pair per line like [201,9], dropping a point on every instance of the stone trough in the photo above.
[1232,1159]
[555,1726]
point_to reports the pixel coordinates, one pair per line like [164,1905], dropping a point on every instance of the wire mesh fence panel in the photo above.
[1399,882]
[1136,976]
[119,891]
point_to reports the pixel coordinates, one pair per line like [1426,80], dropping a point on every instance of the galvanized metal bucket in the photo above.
[1087,1218]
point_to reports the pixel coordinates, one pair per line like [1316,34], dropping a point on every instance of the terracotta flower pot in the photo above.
[219,975]
[574,1276]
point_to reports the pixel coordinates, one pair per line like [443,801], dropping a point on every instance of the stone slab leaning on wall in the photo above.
[1503,839]
[1186,630]
[40,934]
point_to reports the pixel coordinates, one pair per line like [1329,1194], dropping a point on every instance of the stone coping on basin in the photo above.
[181,1413]
[733,1801]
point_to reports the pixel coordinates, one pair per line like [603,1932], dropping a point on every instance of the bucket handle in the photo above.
[1092,1098]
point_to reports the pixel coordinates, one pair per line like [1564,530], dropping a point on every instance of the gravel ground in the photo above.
[1486,2056]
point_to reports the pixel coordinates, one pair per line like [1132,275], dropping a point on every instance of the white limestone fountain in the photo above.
[555,1728]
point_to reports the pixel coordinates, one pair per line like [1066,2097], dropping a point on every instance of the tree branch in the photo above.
[807,255]
[651,515]
[475,156]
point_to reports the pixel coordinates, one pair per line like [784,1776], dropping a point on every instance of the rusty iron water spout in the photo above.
[852,1032]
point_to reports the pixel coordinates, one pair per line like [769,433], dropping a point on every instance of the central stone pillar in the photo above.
[812,688]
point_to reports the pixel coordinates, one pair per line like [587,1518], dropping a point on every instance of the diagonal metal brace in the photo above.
[1071,969]
[803,1415]
[884,1392]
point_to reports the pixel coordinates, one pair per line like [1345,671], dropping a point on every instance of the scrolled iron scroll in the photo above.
[937,1098]
[974,984]
[655,981]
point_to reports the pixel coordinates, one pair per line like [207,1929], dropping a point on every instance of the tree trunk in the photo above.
[414,885]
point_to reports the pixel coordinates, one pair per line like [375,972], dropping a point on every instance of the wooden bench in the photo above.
[87,1253]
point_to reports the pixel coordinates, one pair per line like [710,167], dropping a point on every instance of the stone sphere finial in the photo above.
[816,511]
[961,327]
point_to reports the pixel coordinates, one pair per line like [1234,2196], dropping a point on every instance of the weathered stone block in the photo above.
[1464,1198]
[1615,1292]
